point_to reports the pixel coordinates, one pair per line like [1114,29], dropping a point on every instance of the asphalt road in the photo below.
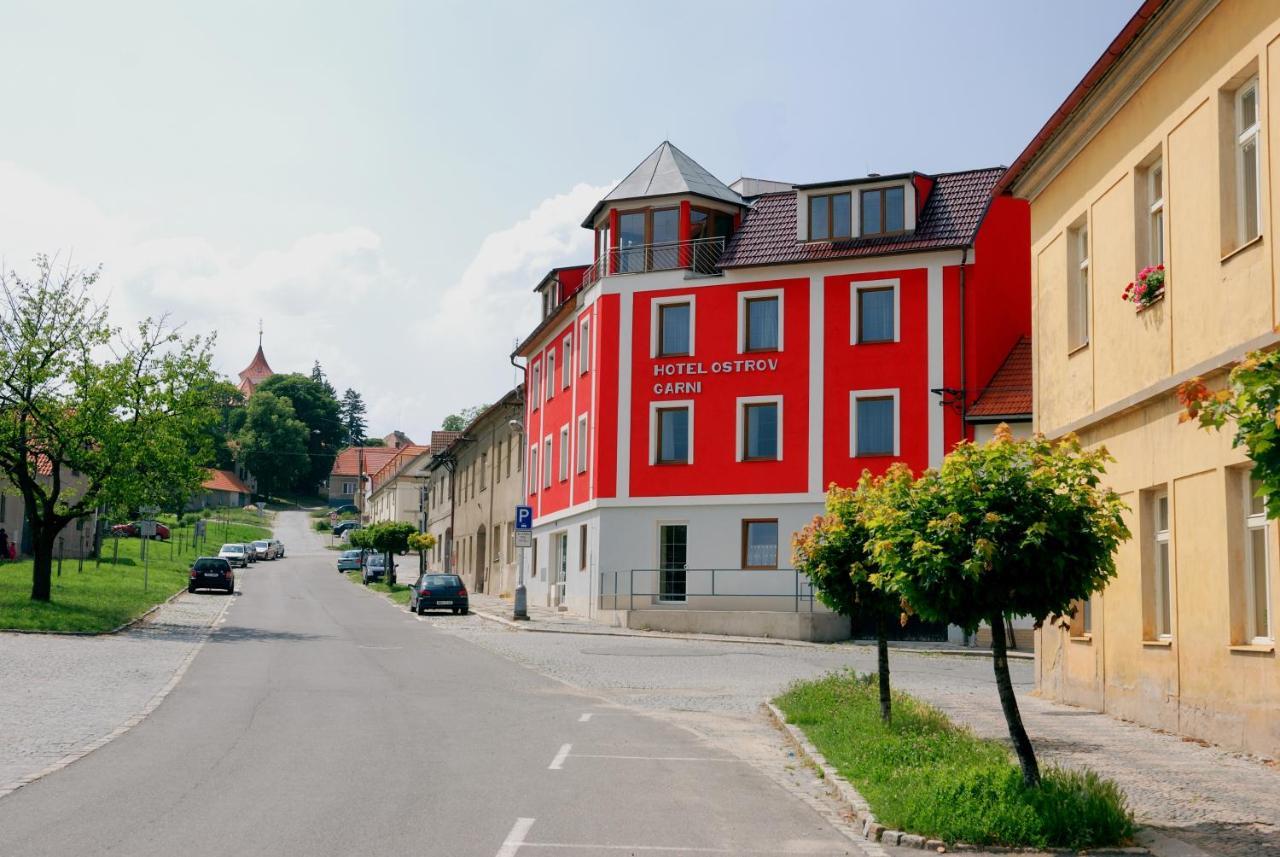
[318,720]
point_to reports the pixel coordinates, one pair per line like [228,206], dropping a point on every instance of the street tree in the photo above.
[390,538]
[1002,529]
[833,551]
[316,407]
[272,444]
[91,416]
[422,543]
[353,421]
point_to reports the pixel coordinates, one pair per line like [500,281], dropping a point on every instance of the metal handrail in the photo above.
[701,255]
[801,592]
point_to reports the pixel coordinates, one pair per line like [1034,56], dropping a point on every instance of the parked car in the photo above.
[279,546]
[352,560]
[264,549]
[235,554]
[133,530]
[348,509]
[375,568]
[212,572]
[344,527]
[434,591]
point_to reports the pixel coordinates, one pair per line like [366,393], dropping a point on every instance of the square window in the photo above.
[760,432]
[760,543]
[673,435]
[830,217]
[762,320]
[674,329]
[876,314]
[875,425]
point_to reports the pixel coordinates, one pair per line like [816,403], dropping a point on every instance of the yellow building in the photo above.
[1162,156]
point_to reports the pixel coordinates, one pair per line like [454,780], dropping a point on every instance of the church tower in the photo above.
[257,371]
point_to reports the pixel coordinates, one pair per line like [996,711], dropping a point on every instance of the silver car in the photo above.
[264,549]
[235,554]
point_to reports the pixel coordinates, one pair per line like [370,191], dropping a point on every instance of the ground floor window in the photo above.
[673,542]
[1158,566]
[582,547]
[1257,564]
[760,543]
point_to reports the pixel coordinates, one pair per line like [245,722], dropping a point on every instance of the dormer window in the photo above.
[831,216]
[883,211]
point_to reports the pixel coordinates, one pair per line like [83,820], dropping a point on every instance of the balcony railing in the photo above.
[781,590]
[700,256]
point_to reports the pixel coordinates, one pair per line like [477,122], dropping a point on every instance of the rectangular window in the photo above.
[882,211]
[673,545]
[760,543]
[1247,129]
[631,242]
[830,217]
[546,463]
[1161,569]
[510,445]
[760,432]
[535,390]
[484,464]
[664,252]
[348,487]
[673,330]
[1155,214]
[566,368]
[673,435]
[876,315]
[582,443]
[875,427]
[762,319]
[564,453]
[1257,565]
[533,469]
[551,373]
[582,547]
[584,347]
[1078,287]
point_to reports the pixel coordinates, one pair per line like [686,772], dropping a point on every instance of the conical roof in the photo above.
[667,172]
[256,372]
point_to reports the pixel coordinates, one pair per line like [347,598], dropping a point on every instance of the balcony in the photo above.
[700,257]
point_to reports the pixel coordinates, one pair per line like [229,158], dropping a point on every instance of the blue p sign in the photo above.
[524,517]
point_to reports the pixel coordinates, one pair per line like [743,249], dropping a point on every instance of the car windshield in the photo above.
[232,549]
[377,559]
[209,563]
[259,544]
[441,580]
[350,554]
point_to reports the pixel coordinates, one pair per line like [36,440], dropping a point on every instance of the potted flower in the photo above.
[1147,288]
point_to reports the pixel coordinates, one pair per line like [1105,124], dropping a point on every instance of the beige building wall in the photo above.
[1171,98]
[396,499]
[440,514]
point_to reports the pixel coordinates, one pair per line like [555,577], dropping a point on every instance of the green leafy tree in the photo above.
[317,375]
[422,543]
[91,417]
[273,442]
[834,553]
[389,538]
[316,407]
[353,421]
[1003,529]
[1251,399]
[463,418]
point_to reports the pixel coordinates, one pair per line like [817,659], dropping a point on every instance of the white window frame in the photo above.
[1078,276]
[536,392]
[667,404]
[1155,213]
[1253,522]
[566,369]
[740,424]
[1161,572]
[582,449]
[1243,137]
[654,310]
[887,392]
[866,285]
[563,469]
[550,380]
[533,469]
[348,488]
[547,468]
[743,297]
[584,346]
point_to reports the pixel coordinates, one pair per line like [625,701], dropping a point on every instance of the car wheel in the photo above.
[420,609]
[191,589]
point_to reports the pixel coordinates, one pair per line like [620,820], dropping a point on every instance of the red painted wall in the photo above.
[605,456]
[999,308]
[714,469]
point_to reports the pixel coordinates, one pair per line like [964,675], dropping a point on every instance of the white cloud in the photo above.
[416,351]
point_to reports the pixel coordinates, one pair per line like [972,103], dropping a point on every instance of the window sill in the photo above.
[1078,348]
[1254,648]
[1141,308]
[1157,644]
[1082,638]
[1245,246]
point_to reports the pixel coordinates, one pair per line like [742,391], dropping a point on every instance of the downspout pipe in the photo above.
[964,379]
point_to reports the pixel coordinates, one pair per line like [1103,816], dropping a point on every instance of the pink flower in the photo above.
[1140,290]
[1159,267]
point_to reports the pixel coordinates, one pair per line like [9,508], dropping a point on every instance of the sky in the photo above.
[384,183]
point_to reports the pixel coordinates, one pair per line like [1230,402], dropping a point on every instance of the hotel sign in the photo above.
[694,369]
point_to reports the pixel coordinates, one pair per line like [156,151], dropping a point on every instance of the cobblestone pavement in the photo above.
[1221,802]
[59,694]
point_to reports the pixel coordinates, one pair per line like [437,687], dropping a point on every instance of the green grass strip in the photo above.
[923,774]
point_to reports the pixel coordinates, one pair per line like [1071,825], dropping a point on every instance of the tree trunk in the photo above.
[42,565]
[1021,743]
[882,667]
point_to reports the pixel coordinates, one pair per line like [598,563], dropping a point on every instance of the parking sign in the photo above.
[524,518]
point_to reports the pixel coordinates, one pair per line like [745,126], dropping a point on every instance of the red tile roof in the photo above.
[441,440]
[1009,392]
[348,461]
[950,218]
[396,464]
[224,480]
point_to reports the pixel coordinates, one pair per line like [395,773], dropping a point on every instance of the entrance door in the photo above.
[562,566]
[672,549]
[480,567]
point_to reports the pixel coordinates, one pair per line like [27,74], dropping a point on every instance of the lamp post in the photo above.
[520,602]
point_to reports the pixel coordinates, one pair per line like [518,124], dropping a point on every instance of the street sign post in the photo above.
[524,539]
[147,529]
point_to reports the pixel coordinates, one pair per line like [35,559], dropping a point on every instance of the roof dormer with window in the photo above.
[868,208]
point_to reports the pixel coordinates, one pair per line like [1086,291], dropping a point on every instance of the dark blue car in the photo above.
[433,591]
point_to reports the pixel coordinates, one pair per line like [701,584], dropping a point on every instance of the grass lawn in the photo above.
[923,774]
[398,592]
[100,598]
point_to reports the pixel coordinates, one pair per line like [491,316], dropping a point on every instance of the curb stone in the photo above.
[873,831]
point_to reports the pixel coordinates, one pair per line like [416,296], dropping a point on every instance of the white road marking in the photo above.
[515,838]
[654,758]
[558,762]
[584,718]
[680,849]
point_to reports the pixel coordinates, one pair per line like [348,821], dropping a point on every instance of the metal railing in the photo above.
[780,590]
[701,256]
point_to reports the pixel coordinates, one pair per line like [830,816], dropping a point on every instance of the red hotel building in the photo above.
[731,351]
